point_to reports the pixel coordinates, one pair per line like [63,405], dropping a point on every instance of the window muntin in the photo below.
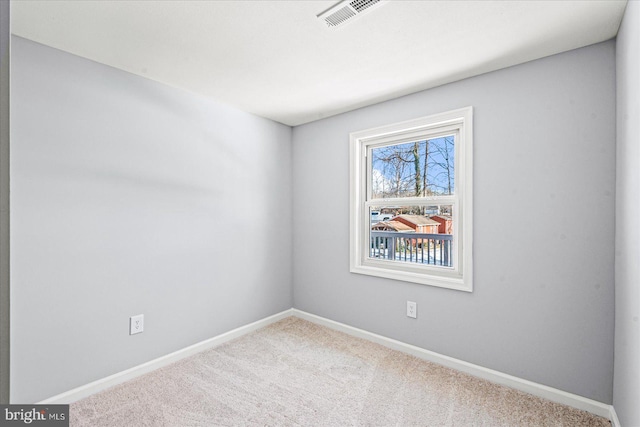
[420,168]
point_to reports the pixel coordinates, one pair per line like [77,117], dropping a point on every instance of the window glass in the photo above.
[413,169]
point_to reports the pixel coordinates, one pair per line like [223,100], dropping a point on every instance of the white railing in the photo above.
[421,248]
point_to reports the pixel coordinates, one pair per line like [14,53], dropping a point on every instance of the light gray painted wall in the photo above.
[5,36]
[542,308]
[626,389]
[132,197]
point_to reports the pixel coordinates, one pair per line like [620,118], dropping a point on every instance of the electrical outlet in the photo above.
[136,324]
[412,309]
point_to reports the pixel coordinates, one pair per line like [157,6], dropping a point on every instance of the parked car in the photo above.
[376,216]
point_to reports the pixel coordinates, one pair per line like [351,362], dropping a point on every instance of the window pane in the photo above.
[413,169]
[416,234]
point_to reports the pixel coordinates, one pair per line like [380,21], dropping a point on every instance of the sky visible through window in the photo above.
[414,169]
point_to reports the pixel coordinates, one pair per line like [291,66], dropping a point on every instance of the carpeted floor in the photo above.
[296,373]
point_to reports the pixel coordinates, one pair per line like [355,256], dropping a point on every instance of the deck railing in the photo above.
[421,248]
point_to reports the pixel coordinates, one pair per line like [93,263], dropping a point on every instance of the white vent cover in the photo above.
[346,10]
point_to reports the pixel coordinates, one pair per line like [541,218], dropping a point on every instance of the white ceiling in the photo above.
[277,60]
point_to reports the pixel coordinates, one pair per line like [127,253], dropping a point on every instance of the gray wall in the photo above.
[626,389]
[5,35]
[132,197]
[542,306]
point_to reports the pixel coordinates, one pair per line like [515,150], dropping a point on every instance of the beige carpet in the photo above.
[296,373]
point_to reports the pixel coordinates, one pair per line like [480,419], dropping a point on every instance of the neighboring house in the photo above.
[409,224]
[446,223]
[419,223]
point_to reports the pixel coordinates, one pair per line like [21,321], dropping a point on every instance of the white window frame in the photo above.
[458,122]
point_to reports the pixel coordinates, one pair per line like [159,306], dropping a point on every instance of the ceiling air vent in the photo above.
[346,10]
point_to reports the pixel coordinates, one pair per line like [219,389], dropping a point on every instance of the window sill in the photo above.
[456,283]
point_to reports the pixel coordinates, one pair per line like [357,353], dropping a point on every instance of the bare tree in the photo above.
[443,163]
[417,168]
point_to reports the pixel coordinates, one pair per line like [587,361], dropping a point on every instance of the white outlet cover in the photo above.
[136,324]
[412,309]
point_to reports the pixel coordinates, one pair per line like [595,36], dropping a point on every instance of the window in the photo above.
[411,200]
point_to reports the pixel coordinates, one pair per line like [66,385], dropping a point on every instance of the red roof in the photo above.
[392,225]
[416,219]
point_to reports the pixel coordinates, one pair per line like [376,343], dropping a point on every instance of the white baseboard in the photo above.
[120,377]
[555,395]
[549,393]
[613,417]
